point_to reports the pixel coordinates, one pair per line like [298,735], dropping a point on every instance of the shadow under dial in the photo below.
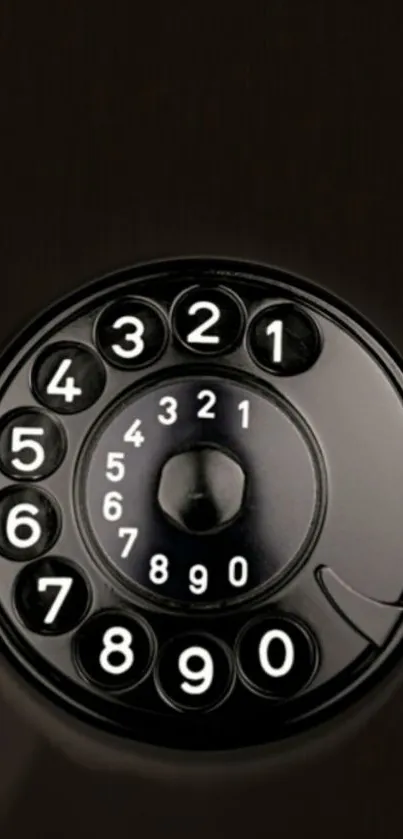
[202,490]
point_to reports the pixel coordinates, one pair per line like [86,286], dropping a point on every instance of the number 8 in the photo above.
[121,644]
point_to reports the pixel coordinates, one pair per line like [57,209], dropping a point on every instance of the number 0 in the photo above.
[289,653]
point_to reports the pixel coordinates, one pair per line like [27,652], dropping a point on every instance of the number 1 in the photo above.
[243,407]
[276,329]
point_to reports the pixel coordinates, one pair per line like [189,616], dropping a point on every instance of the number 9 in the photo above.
[203,677]
[198,576]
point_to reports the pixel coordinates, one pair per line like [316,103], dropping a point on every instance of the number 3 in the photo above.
[136,337]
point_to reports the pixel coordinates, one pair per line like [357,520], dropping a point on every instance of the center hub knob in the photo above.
[202,490]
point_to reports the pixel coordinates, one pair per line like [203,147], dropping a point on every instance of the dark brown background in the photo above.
[268,131]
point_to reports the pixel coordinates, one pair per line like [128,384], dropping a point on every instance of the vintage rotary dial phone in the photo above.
[201,524]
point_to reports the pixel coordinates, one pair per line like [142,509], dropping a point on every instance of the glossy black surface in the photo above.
[277,656]
[32,445]
[68,378]
[207,321]
[51,596]
[314,457]
[29,523]
[202,489]
[114,650]
[284,340]
[194,672]
[281,510]
[131,333]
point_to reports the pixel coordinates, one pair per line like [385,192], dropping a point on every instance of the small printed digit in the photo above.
[171,410]
[238,571]
[198,576]
[130,534]
[159,569]
[115,466]
[205,411]
[134,434]
[112,509]
[244,408]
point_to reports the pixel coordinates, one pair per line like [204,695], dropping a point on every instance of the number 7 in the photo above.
[131,533]
[64,584]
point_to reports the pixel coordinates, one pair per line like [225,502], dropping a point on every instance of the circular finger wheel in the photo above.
[201,477]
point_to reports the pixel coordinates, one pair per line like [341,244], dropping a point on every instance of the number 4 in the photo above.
[68,389]
[64,584]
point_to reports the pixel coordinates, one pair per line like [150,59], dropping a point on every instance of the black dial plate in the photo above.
[200,541]
[279,510]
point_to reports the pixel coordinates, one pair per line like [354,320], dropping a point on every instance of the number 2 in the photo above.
[205,411]
[64,584]
[198,335]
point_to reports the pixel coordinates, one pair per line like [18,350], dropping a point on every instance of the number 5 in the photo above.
[64,584]
[18,444]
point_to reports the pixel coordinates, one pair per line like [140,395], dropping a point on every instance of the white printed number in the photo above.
[210,400]
[238,571]
[197,681]
[198,576]
[21,439]
[171,410]
[135,337]
[198,335]
[244,408]
[130,534]
[117,639]
[22,516]
[276,329]
[112,509]
[63,385]
[159,569]
[64,585]
[115,466]
[134,435]
[264,651]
